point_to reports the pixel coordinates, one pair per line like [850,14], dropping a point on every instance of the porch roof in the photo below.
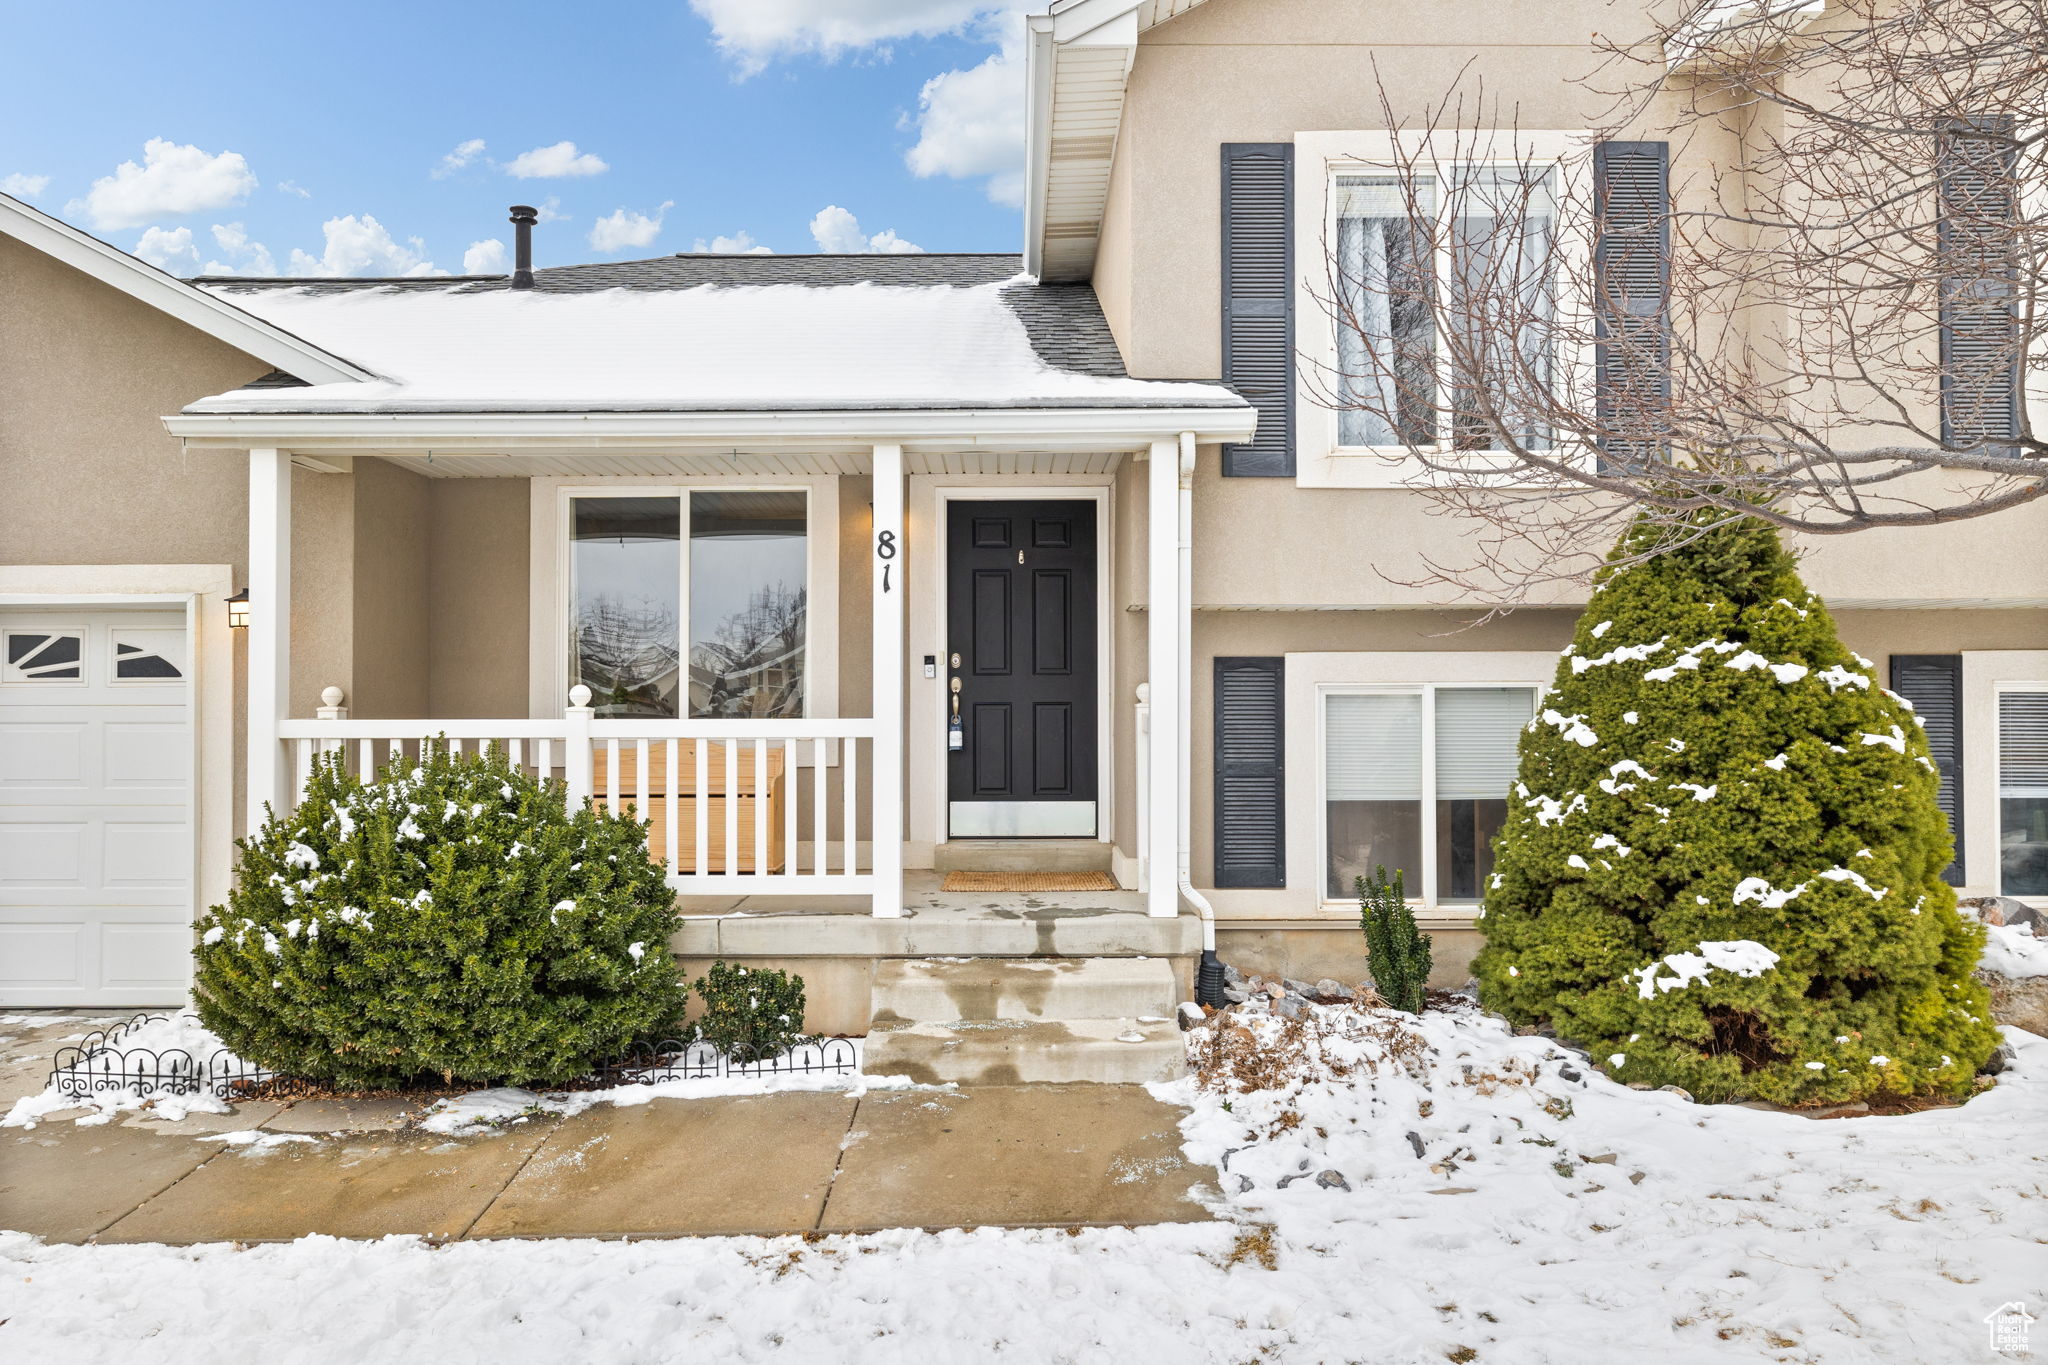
[694,334]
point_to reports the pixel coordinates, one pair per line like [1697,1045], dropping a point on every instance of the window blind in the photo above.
[1373,747]
[2023,744]
[1478,731]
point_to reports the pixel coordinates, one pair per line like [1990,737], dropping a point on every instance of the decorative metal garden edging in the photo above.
[98,1065]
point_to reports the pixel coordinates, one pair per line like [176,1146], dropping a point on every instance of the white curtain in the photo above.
[1375,246]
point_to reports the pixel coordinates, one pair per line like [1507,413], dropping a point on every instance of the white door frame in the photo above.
[202,591]
[930,497]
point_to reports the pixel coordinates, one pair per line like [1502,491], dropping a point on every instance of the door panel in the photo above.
[1021,583]
[96,838]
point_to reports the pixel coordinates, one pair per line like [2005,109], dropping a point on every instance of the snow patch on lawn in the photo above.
[1505,1203]
[142,1085]
[2012,950]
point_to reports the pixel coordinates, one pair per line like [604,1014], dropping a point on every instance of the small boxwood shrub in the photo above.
[451,920]
[1397,951]
[750,1012]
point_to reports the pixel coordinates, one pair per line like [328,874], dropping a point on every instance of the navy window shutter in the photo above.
[1631,307]
[1251,772]
[1258,301]
[1934,684]
[1980,334]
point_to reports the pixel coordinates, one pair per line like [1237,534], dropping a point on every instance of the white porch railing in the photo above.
[734,807]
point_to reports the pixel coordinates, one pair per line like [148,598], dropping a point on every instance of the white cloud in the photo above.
[971,122]
[837,231]
[24,186]
[752,33]
[741,243]
[553,163]
[173,179]
[244,257]
[464,153]
[362,246]
[293,187]
[624,228]
[169,249]
[484,258]
[549,210]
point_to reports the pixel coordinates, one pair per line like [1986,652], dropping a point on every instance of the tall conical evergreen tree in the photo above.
[1721,866]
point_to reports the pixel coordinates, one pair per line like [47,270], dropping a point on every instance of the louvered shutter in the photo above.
[1934,684]
[1631,275]
[1980,372]
[1258,301]
[1251,773]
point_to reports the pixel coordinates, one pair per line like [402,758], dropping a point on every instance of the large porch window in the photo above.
[717,632]
[1415,780]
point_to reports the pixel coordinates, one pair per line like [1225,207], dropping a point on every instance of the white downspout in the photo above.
[1184,677]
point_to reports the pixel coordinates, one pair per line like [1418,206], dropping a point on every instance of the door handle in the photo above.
[956,734]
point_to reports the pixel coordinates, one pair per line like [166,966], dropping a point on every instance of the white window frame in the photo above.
[1987,676]
[1312,677]
[551,576]
[1320,158]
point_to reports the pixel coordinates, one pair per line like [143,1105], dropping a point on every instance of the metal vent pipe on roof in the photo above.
[524,216]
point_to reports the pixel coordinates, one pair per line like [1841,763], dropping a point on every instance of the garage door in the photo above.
[95,807]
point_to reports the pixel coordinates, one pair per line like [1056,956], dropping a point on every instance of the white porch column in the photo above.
[886,809]
[270,630]
[1162,654]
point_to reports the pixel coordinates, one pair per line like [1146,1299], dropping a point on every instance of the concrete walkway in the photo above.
[820,1161]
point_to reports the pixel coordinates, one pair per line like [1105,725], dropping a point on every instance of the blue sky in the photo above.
[238,134]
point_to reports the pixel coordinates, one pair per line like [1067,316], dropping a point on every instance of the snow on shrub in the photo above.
[452,919]
[751,1013]
[1721,866]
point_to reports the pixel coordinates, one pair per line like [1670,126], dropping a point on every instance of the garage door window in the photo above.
[148,655]
[44,656]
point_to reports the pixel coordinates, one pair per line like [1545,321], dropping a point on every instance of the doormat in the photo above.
[1028,881]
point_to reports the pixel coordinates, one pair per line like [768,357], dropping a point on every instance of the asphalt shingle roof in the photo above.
[1063,322]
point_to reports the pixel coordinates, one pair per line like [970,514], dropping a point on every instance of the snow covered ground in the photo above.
[1504,1204]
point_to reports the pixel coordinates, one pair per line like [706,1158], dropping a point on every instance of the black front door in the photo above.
[1020,617]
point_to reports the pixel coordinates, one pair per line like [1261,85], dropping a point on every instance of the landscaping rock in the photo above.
[1415,1141]
[1244,1184]
[1232,976]
[1234,995]
[1297,987]
[1191,1014]
[2023,1003]
[1289,1006]
[1677,1090]
[1331,989]
[1600,1159]
[1274,989]
[1333,1180]
[2002,910]
[1569,1073]
[1998,1061]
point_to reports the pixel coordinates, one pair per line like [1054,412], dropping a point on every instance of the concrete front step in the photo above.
[1011,1051]
[1021,855]
[943,990]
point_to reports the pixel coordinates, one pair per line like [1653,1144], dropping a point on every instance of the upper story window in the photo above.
[1443,283]
[1431,297]
[717,626]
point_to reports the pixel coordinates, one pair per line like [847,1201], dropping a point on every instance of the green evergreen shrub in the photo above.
[1397,951]
[758,1012]
[450,920]
[1721,866]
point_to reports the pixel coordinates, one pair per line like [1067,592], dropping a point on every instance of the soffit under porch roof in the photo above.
[744,464]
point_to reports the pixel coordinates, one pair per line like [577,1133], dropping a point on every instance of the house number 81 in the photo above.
[885,550]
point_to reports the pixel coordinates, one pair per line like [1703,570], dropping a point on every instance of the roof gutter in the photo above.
[506,433]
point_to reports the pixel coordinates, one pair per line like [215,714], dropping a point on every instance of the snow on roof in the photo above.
[707,347]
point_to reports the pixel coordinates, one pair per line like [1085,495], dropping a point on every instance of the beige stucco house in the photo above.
[849,572]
